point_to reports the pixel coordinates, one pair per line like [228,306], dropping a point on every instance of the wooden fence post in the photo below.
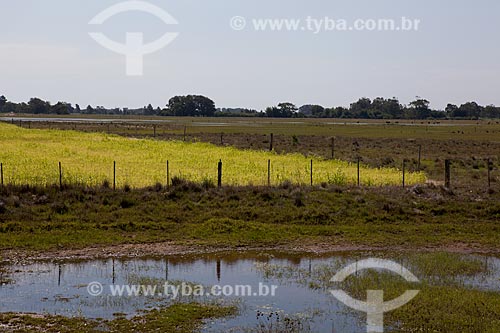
[333,148]
[271,142]
[419,157]
[154,131]
[114,175]
[185,129]
[359,179]
[1,172]
[60,176]
[311,172]
[489,172]
[269,173]
[168,175]
[222,139]
[404,170]
[219,174]
[447,173]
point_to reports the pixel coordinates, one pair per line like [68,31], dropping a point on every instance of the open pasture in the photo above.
[32,157]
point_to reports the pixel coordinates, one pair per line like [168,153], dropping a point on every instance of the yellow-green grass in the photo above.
[32,156]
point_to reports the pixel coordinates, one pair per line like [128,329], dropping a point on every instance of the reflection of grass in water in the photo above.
[4,274]
[277,322]
[442,267]
[439,267]
[444,303]
[139,280]
[4,277]
[111,302]
[271,320]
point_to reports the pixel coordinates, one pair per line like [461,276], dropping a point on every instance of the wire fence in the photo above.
[460,173]
[455,175]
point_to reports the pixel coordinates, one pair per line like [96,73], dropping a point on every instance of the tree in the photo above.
[317,110]
[89,110]
[283,110]
[420,108]
[3,101]
[9,107]
[386,108]
[37,106]
[22,108]
[204,106]
[149,110]
[451,110]
[491,112]
[191,105]
[312,110]
[288,109]
[470,110]
[61,108]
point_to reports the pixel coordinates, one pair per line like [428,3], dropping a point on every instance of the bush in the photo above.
[126,203]
[106,184]
[207,183]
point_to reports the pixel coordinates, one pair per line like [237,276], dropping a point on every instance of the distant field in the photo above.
[363,128]
[379,143]
[32,156]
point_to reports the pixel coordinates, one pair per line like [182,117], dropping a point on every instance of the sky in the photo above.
[46,51]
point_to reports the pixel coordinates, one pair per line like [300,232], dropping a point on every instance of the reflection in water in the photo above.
[61,288]
[218,270]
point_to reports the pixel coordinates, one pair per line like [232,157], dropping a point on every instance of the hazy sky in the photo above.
[45,51]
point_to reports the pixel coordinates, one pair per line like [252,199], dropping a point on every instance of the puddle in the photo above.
[61,288]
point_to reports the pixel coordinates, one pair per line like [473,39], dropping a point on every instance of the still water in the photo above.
[61,287]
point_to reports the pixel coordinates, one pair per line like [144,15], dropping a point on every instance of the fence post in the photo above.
[333,148]
[359,180]
[419,156]
[447,173]
[60,176]
[1,172]
[168,175]
[222,139]
[269,173]
[154,131]
[219,174]
[311,172]
[404,170]
[185,129]
[271,142]
[114,175]
[489,173]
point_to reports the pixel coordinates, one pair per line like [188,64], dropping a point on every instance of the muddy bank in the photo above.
[169,249]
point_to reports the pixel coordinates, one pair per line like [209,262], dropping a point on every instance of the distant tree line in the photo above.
[201,106]
[381,108]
